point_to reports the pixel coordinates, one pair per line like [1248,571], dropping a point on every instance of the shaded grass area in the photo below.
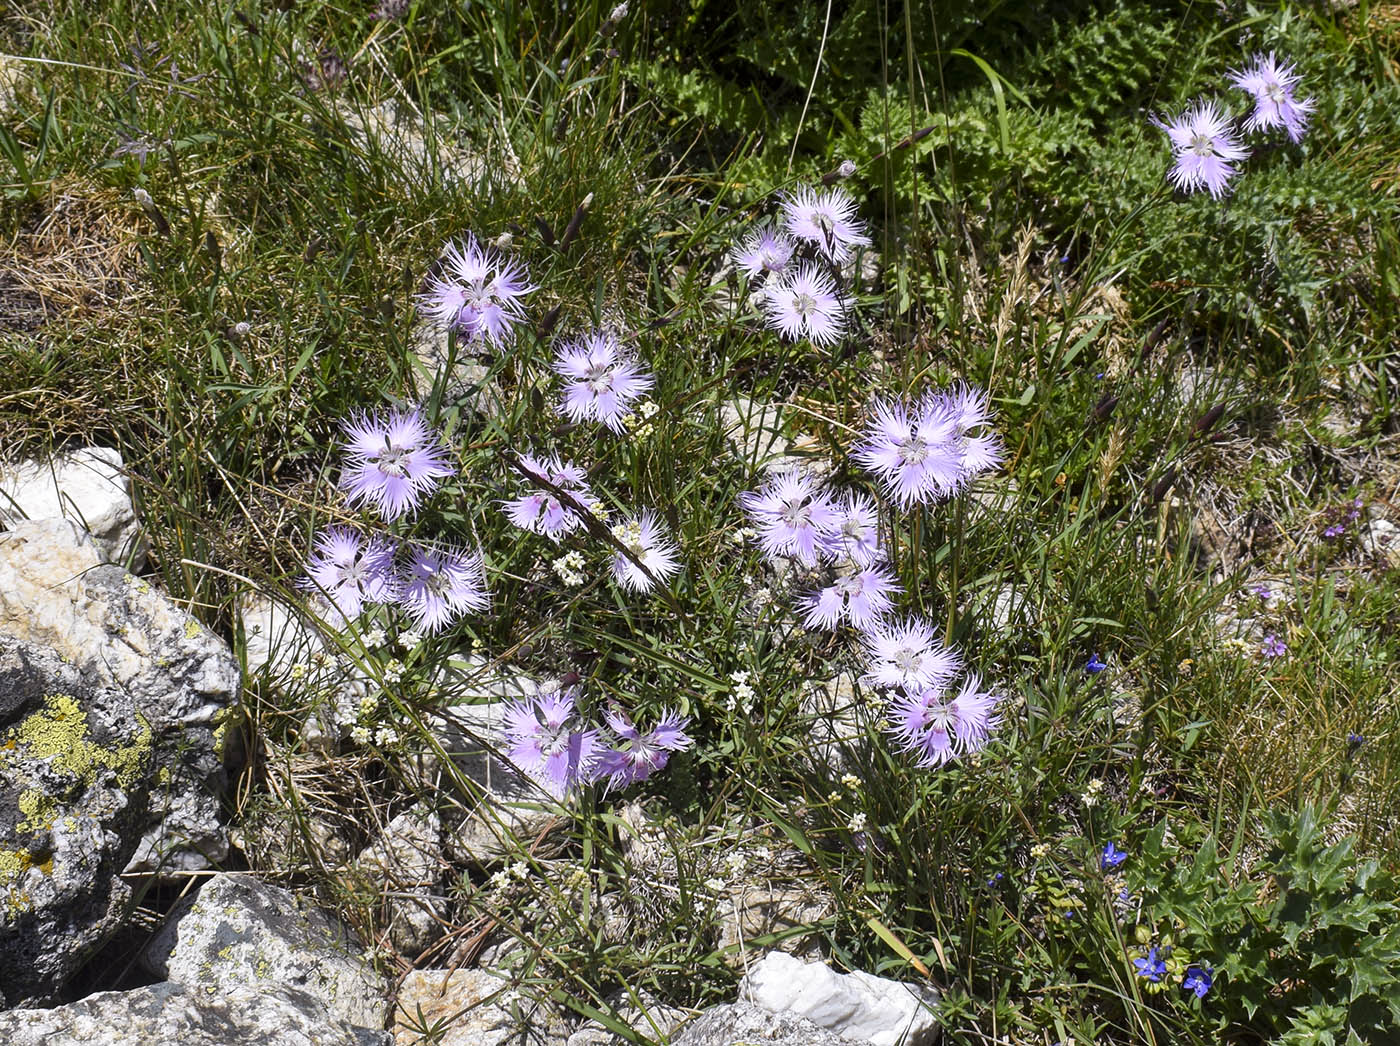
[216,221]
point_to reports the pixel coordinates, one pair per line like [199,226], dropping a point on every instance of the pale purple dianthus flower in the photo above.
[858,595]
[856,535]
[825,219]
[907,653]
[478,293]
[1206,149]
[765,253]
[352,572]
[541,511]
[930,452]
[600,379]
[440,585]
[392,462]
[804,304]
[794,516]
[1271,82]
[548,742]
[637,755]
[937,729]
[644,537]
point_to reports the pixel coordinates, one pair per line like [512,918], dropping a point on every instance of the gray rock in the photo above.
[744,1024]
[239,931]
[403,866]
[74,787]
[470,1008]
[755,430]
[762,909]
[88,486]
[856,1006]
[185,1015]
[119,632]
[652,1019]
[1382,538]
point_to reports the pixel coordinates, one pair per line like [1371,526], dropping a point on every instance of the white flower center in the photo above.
[913,450]
[1201,144]
[393,459]
[599,378]
[804,304]
[907,661]
[796,514]
[1275,93]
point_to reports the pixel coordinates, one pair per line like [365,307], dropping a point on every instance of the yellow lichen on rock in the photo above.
[39,811]
[60,733]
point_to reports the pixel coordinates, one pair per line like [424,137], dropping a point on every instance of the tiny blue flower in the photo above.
[1153,968]
[1095,666]
[1112,857]
[1355,740]
[1198,979]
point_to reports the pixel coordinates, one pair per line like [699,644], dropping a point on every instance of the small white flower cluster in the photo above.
[857,822]
[373,637]
[1092,794]
[741,695]
[569,567]
[410,639]
[640,422]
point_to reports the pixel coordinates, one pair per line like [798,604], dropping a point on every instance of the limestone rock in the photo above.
[652,1019]
[755,430]
[1382,538]
[239,931]
[186,1015]
[760,910]
[89,487]
[742,1024]
[856,1006]
[74,787]
[470,1008]
[275,638]
[119,632]
[404,865]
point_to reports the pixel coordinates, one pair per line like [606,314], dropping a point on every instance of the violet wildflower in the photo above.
[1153,968]
[1206,149]
[1095,666]
[929,453]
[600,379]
[478,294]
[858,595]
[1111,857]
[804,304]
[540,511]
[546,740]
[352,572]
[392,463]
[1198,979]
[1273,647]
[440,585]
[1271,82]
[638,755]
[793,516]
[857,532]
[825,219]
[907,653]
[937,729]
[646,539]
[765,253]
[1336,530]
